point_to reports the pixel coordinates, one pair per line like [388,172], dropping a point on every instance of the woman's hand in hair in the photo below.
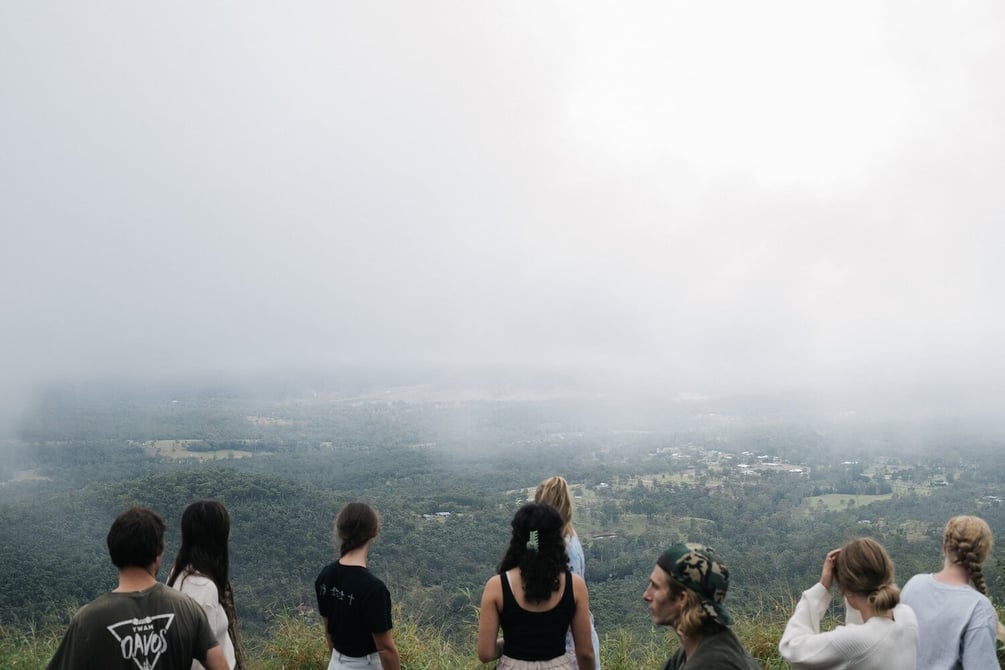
[827,572]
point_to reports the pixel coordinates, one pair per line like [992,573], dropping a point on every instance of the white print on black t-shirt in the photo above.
[143,640]
[336,593]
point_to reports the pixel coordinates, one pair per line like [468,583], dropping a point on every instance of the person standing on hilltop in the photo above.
[535,599]
[202,571]
[882,632]
[142,623]
[685,591]
[355,605]
[554,491]
[957,624]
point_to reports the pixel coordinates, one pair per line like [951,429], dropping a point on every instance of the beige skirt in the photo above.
[558,663]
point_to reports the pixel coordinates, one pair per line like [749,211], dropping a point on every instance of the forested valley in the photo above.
[772,491]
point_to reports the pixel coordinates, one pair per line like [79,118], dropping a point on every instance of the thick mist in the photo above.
[658,198]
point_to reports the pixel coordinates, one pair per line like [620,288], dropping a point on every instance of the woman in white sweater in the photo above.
[201,570]
[881,634]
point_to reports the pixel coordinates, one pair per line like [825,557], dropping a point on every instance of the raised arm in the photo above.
[802,641]
[827,571]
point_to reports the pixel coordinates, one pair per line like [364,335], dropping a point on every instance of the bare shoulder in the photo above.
[493,587]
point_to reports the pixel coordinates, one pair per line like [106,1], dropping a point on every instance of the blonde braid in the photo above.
[969,552]
[967,541]
[969,561]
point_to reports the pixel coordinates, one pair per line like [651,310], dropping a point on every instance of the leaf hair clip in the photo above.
[532,542]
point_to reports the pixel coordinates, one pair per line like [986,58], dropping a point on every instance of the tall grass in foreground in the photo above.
[29,648]
[297,643]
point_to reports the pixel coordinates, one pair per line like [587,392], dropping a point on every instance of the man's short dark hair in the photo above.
[136,538]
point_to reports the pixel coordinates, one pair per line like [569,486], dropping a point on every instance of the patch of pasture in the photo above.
[180,449]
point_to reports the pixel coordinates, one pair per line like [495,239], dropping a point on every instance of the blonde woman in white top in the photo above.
[201,570]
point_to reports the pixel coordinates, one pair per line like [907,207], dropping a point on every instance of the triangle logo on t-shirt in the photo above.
[143,640]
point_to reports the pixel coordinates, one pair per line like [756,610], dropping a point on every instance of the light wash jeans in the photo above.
[340,661]
[559,663]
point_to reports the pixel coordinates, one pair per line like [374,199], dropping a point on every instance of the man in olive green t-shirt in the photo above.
[142,624]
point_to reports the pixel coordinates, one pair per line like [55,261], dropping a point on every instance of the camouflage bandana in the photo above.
[699,569]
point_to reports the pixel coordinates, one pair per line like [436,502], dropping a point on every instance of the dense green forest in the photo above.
[772,492]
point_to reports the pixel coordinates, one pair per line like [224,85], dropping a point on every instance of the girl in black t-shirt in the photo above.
[355,605]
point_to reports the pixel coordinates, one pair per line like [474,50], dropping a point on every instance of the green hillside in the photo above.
[772,495]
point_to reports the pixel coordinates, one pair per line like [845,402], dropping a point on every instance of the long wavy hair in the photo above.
[541,565]
[864,567]
[554,491]
[694,617]
[967,541]
[205,540]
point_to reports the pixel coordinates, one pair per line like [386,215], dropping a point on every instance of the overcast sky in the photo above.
[774,192]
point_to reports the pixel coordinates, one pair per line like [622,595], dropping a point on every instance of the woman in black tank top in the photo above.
[535,599]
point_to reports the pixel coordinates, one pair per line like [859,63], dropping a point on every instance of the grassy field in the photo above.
[838,501]
[180,449]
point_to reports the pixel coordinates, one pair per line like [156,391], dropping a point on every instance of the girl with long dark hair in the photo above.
[535,599]
[202,570]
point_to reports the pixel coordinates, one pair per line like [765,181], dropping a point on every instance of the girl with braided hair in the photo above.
[957,623]
[535,598]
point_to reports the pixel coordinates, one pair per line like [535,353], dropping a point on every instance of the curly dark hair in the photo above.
[540,568]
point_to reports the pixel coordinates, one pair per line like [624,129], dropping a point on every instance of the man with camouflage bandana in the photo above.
[686,590]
